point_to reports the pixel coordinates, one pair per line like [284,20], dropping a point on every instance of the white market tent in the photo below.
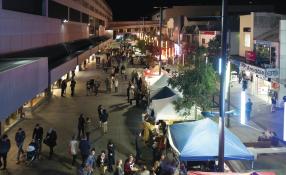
[164,109]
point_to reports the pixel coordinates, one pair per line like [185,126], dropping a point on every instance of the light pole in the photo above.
[222,84]
[160,36]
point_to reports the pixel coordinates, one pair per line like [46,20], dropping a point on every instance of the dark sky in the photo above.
[134,9]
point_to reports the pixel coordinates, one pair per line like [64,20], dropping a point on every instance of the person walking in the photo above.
[5,146]
[80,125]
[87,127]
[107,84]
[118,169]
[38,137]
[102,163]
[19,139]
[273,104]
[73,148]
[104,120]
[72,85]
[110,155]
[63,87]
[116,84]
[99,111]
[90,162]
[248,109]
[84,148]
[51,141]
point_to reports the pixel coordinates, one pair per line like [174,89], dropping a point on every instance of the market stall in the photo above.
[164,109]
[183,138]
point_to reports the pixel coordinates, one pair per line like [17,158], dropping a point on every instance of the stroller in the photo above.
[32,152]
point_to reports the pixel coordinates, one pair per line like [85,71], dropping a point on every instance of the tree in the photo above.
[214,50]
[141,44]
[197,84]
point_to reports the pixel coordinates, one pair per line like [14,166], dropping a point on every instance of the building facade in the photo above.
[261,49]
[43,42]
[33,23]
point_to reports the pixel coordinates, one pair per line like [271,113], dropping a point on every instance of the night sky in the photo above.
[134,9]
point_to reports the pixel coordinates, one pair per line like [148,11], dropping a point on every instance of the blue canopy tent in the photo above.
[198,141]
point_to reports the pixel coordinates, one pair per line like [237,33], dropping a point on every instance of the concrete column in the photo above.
[282,68]
[45,7]
[0,4]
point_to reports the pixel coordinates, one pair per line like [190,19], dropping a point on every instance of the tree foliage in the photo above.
[141,44]
[214,49]
[197,84]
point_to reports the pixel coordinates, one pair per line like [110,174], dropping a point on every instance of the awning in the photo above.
[198,141]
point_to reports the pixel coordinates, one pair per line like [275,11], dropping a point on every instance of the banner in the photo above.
[265,73]
[250,56]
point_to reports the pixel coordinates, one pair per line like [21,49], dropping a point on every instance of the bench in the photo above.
[273,150]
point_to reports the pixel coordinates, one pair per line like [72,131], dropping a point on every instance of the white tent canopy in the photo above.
[164,109]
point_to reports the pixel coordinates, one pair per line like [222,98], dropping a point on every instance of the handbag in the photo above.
[46,141]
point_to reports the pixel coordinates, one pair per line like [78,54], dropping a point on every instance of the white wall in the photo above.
[20,84]
[282,91]
[246,21]
[20,31]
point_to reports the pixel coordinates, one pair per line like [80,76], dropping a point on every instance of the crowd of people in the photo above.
[34,148]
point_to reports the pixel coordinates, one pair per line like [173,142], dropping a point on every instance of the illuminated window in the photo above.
[247,39]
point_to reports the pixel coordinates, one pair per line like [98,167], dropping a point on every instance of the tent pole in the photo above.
[252,165]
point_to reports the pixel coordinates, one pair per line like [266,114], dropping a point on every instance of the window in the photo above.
[203,41]
[25,6]
[74,15]
[57,10]
[84,18]
[247,39]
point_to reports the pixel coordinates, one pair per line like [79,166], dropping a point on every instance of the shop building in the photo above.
[260,53]
[53,38]
[23,82]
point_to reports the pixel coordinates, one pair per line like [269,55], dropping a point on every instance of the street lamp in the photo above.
[160,36]
[222,84]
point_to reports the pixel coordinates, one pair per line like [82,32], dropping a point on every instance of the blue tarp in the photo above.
[198,141]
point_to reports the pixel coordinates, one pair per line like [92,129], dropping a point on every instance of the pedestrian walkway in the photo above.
[62,114]
[261,118]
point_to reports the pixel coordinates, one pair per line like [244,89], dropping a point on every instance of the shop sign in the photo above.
[207,33]
[272,73]
[261,42]
[250,55]
[256,70]
[265,73]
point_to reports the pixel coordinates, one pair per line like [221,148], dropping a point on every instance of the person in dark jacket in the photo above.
[38,137]
[4,149]
[102,162]
[104,119]
[110,155]
[80,125]
[84,148]
[63,87]
[19,139]
[72,85]
[51,140]
[99,111]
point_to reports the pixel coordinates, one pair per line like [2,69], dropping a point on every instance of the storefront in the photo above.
[260,81]
[266,53]
[23,89]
